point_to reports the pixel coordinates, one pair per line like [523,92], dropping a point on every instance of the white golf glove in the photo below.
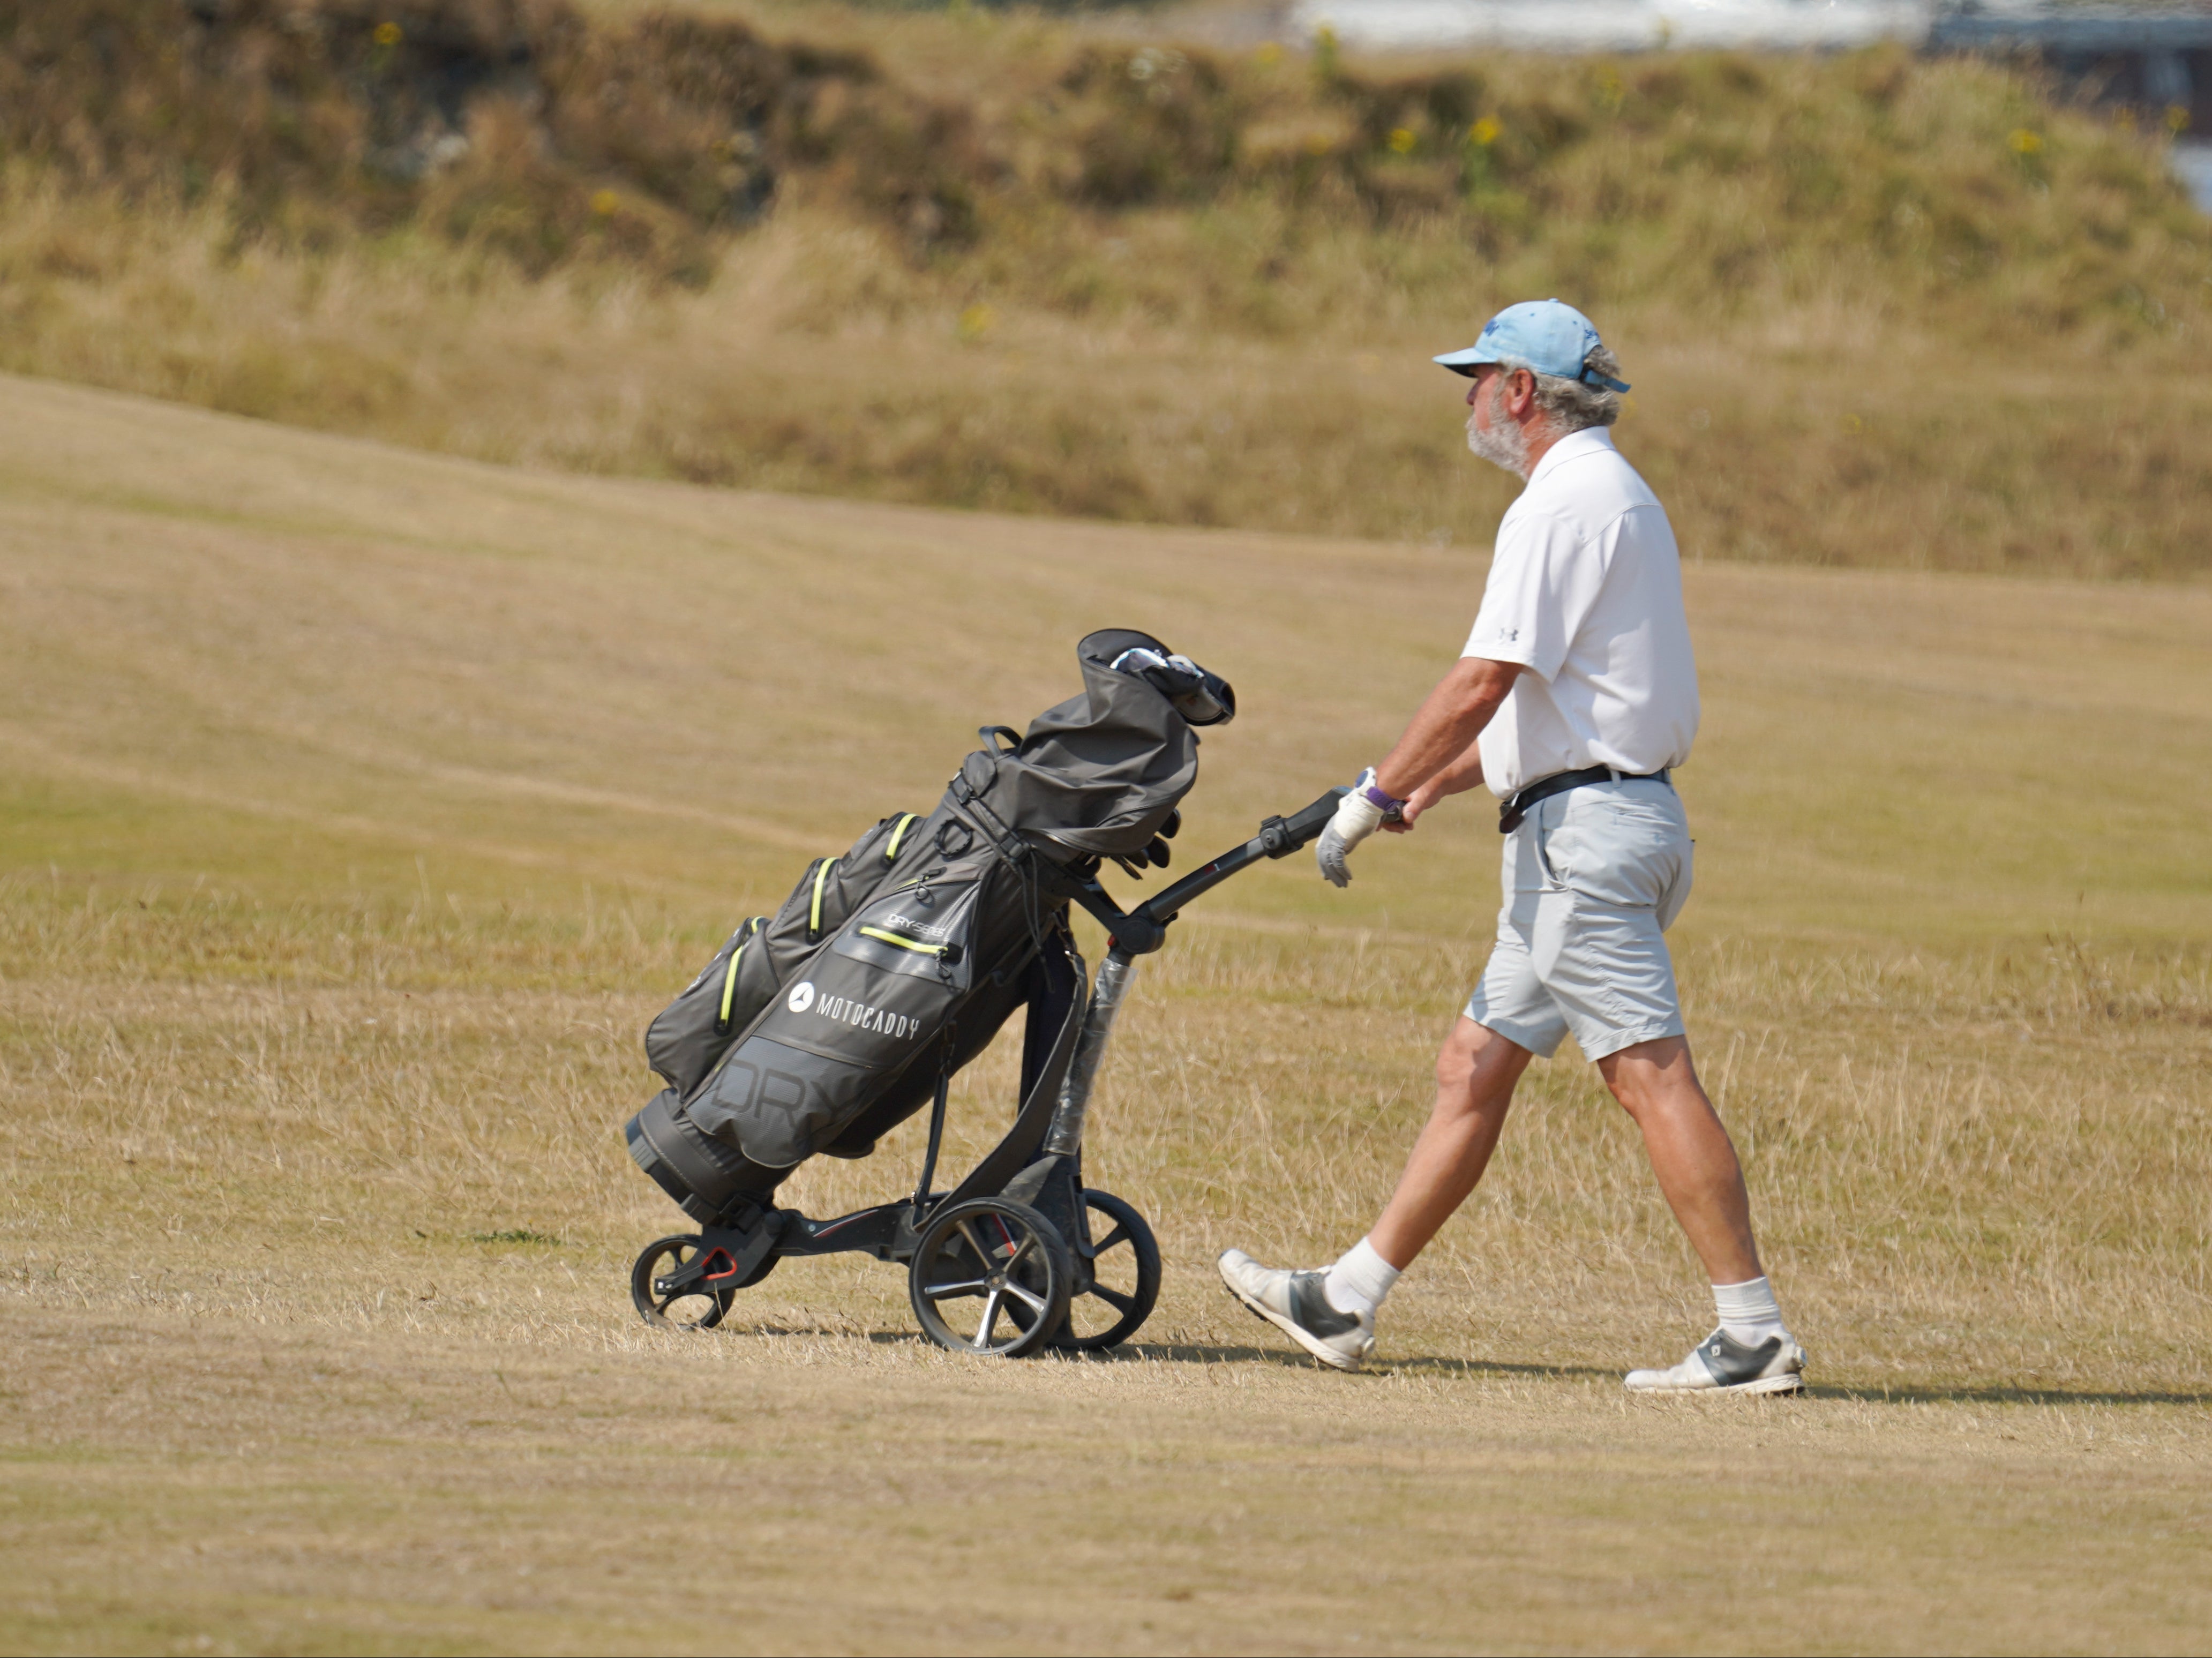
[1356,817]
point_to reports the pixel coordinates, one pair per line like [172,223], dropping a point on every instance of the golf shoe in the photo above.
[1721,1364]
[1296,1305]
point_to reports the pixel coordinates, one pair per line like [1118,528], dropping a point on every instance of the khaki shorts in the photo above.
[1593,878]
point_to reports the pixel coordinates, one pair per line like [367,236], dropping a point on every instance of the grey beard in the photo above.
[1505,444]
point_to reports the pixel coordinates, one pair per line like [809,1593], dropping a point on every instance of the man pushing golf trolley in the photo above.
[1575,697]
[819,1029]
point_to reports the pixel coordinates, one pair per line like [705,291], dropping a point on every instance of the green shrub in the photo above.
[514,124]
[522,127]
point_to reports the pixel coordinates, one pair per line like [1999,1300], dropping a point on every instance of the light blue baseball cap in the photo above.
[1552,338]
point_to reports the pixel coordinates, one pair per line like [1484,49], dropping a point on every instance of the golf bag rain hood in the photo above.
[1101,774]
[891,966]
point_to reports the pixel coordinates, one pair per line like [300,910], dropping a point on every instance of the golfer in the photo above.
[1576,698]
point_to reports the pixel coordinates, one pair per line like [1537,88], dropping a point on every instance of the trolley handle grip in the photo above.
[1279,837]
[1143,929]
[1285,835]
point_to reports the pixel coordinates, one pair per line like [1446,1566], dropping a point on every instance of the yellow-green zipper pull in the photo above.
[907,821]
[943,952]
[730,984]
[814,912]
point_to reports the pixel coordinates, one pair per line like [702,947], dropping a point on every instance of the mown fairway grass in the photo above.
[358,807]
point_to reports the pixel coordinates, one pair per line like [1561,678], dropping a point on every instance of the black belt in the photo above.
[1514,808]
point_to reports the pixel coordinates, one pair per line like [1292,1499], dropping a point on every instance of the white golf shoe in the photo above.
[1721,1364]
[1296,1305]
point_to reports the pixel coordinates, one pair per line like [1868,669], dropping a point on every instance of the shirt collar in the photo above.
[1589,440]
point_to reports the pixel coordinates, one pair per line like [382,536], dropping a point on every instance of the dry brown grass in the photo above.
[357,807]
[813,1492]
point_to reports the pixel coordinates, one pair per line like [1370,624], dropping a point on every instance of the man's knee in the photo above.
[1474,1061]
[1652,1073]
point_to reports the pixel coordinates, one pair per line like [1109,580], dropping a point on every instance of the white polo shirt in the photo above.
[1585,591]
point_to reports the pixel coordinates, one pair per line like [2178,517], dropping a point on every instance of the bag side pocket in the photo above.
[688,1036]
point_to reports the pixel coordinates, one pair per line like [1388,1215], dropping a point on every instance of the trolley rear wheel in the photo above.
[1124,1259]
[990,1277]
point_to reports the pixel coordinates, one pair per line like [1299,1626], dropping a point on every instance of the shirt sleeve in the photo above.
[1543,580]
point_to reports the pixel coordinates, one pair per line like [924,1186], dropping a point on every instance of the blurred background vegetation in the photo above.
[1880,309]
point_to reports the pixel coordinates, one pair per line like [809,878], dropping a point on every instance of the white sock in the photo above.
[1358,1283]
[1748,1311]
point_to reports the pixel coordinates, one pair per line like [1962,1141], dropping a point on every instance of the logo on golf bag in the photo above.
[801,997]
[843,1009]
[919,929]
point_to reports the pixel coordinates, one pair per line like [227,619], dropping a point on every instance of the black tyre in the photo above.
[1124,1261]
[697,1305]
[990,1277]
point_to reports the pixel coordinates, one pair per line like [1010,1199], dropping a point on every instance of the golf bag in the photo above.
[819,1029]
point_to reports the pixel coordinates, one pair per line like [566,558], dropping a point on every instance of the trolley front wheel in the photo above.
[668,1294]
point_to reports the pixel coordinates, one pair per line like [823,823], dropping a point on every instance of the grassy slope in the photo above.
[1907,757]
[360,805]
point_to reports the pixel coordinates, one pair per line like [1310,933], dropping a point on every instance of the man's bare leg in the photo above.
[1690,1153]
[1476,1073]
[1331,1314]
[1753,1350]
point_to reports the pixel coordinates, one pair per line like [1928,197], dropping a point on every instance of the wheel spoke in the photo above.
[1021,1250]
[982,1342]
[982,1255]
[1119,1235]
[1113,1298]
[1029,1298]
[974,1287]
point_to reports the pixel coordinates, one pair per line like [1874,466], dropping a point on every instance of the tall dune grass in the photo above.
[1878,310]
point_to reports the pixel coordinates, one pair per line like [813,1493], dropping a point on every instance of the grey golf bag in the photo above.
[818,1029]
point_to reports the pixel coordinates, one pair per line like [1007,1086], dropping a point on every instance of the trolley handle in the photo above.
[1140,931]
[1279,837]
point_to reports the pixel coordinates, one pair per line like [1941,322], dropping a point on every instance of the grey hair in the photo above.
[1576,405]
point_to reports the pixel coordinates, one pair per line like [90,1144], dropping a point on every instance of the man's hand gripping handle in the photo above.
[1358,815]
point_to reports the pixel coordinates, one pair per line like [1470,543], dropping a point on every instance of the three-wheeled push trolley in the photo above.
[1021,1256]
